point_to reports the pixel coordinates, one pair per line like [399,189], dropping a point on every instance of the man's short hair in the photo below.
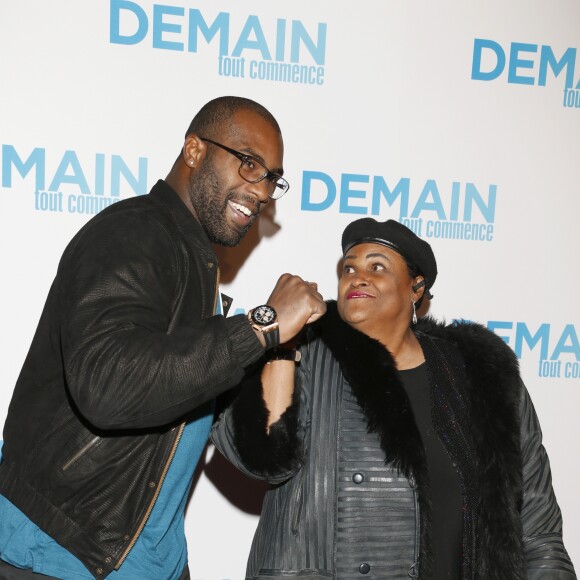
[211,117]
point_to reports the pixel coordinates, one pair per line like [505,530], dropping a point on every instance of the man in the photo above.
[114,403]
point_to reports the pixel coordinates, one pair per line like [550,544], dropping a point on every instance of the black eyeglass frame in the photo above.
[269,175]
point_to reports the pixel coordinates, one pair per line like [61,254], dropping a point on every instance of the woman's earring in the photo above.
[414,312]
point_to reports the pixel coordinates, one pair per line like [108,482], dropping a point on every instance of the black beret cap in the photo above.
[397,237]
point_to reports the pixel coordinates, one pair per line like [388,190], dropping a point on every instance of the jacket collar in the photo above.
[372,373]
[187,224]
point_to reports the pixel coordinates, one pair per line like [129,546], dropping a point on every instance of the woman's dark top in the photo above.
[446,497]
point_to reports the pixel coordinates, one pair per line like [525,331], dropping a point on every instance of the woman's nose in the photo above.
[358,280]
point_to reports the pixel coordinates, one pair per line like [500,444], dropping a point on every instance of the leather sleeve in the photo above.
[545,553]
[126,366]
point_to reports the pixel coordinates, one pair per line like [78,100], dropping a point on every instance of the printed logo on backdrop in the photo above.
[554,349]
[73,183]
[528,64]
[432,209]
[248,46]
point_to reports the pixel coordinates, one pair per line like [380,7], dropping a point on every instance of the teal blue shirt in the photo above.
[161,549]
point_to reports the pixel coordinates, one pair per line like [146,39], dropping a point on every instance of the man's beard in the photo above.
[211,205]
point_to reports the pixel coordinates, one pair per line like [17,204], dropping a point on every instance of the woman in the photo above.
[397,448]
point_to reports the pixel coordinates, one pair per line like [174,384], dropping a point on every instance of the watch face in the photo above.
[264,315]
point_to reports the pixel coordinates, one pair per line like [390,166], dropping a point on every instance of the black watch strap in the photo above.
[280,353]
[272,338]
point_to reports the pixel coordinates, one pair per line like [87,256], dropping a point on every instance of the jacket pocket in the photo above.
[81,452]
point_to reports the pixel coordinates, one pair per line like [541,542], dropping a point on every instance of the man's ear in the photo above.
[193,150]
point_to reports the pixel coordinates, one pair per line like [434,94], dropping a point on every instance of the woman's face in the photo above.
[374,289]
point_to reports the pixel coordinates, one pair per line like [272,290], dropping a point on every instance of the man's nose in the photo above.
[261,191]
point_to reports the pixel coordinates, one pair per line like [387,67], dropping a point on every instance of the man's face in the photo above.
[227,205]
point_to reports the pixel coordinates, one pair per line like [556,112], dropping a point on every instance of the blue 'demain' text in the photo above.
[461,211]
[557,347]
[65,186]
[269,50]
[527,64]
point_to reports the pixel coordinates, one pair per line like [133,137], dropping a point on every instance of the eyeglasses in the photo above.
[254,171]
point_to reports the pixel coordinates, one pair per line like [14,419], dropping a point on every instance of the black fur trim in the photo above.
[265,454]
[494,390]
[371,371]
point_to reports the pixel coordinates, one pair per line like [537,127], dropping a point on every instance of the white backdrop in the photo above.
[457,117]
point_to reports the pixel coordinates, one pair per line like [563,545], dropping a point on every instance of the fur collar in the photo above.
[487,373]
[490,365]
[371,371]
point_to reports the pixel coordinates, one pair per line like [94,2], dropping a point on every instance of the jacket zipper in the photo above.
[167,464]
[217,289]
[153,501]
[81,452]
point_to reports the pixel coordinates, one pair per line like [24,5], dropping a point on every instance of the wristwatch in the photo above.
[265,320]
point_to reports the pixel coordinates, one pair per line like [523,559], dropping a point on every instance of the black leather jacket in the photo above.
[126,350]
[332,477]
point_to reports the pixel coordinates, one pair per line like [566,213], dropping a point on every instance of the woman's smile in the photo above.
[358,294]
